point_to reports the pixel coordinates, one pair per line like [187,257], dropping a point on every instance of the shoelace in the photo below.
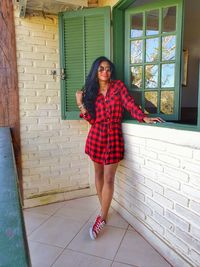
[98,226]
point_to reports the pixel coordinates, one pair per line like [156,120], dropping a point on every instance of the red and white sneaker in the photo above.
[97,227]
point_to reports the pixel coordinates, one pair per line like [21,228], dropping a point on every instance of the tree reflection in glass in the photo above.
[152,49]
[136,76]
[167,75]
[136,51]
[151,76]
[168,47]
[167,102]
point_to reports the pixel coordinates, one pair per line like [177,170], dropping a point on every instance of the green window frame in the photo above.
[84,36]
[153,74]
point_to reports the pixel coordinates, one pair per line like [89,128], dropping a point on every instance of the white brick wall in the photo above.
[52,150]
[158,188]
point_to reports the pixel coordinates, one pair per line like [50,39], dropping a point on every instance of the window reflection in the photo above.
[168,47]
[152,22]
[137,25]
[136,51]
[167,102]
[151,76]
[136,76]
[151,102]
[167,75]
[152,49]
[169,19]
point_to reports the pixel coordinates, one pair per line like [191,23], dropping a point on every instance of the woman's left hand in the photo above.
[153,120]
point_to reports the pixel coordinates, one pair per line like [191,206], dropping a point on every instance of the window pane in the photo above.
[136,76]
[152,49]
[168,47]
[167,75]
[151,102]
[137,97]
[136,51]
[169,19]
[167,102]
[136,25]
[152,26]
[151,76]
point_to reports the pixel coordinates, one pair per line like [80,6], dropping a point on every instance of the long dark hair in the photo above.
[91,86]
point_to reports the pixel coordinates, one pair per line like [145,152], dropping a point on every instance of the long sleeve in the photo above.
[87,117]
[129,103]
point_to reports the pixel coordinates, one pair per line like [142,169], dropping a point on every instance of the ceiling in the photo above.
[52,6]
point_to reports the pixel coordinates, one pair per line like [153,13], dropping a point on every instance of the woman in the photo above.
[102,105]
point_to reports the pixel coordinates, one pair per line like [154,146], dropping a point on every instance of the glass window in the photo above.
[151,76]
[169,19]
[152,22]
[137,25]
[152,49]
[152,63]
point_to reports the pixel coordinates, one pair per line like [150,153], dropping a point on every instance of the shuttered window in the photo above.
[84,36]
[152,56]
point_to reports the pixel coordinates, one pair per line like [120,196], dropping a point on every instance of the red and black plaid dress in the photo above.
[105,144]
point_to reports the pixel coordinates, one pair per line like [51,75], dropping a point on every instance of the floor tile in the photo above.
[76,213]
[130,228]
[43,255]
[46,209]
[58,231]
[72,258]
[136,251]
[118,264]
[104,246]
[33,221]
[86,203]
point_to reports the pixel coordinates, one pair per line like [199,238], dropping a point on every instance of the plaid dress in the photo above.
[105,144]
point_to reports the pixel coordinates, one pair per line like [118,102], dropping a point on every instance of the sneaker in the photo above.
[97,227]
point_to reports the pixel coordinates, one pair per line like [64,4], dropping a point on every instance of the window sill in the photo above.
[170,125]
[182,135]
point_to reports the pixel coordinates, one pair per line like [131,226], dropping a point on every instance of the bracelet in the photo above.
[81,106]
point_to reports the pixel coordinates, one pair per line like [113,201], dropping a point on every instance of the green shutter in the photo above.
[84,36]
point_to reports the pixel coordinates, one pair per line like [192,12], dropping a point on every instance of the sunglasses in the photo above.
[102,68]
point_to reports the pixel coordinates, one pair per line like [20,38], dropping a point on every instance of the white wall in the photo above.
[157,190]
[54,165]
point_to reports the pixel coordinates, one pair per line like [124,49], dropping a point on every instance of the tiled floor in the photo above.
[58,237]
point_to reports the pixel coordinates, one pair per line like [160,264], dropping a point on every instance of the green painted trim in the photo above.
[118,36]
[62,65]
[14,249]
[198,113]
[123,4]
[107,27]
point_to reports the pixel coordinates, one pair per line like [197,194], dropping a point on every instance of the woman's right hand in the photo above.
[79,97]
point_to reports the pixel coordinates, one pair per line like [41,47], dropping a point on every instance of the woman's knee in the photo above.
[99,175]
[109,180]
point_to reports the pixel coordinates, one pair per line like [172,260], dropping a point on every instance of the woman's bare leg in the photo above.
[99,179]
[108,188]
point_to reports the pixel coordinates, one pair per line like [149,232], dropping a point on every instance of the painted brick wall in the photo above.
[53,149]
[158,189]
